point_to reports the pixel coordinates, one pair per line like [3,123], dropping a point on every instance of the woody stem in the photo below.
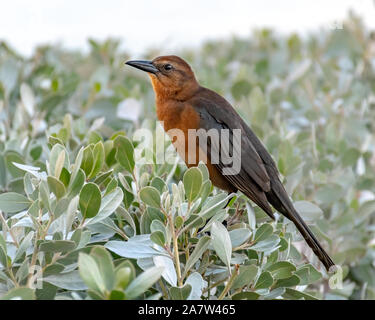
[229,283]
[175,251]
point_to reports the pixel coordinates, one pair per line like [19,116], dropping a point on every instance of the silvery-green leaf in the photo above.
[56,186]
[180,293]
[245,277]
[219,216]
[264,281]
[44,196]
[19,294]
[238,258]
[158,238]
[250,216]
[76,167]
[90,200]
[97,123]
[308,210]
[126,215]
[159,184]
[58,158]
[197,253]
[214,204]
[71,214]
[197,285]
[24,222]
[292,281]
[308,274]
[239,236]
[28,185]
[292,294]
[282,269]
[57,246]
[105,264]
[155,296]
[61,207]
[157,225]
[150,196]
[203,168]
[267,244]
[11,202]
[32,170]
[275,293]
[132,249]
[109,204]
[59,164]
[25,244]
[68,281]
[221,242]
[88,159]
[193,179]
[169,273]
[125,152]
[144,281]
[145,263]
[90,273]
[263,232]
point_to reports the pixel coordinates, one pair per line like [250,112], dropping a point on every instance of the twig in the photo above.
[208,289]
[175,246]
[230,282]
[8,229]
[175,251]
[162,286]
[33,261]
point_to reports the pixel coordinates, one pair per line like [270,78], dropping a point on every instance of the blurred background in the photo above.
[302,74]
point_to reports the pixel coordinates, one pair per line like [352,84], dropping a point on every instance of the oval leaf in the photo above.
[144,281]
[150,196]
[221,242]
[11,202]
[124,152]
[193,179]
[90,200]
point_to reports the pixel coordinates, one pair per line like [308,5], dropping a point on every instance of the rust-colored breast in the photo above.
[177,118]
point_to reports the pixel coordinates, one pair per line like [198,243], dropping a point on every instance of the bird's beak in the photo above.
[143,65]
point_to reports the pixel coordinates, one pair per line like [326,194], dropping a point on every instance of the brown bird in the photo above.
[181,103]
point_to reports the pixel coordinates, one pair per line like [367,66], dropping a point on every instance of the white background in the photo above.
[167,24]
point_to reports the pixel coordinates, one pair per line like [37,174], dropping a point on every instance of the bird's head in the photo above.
[171,76]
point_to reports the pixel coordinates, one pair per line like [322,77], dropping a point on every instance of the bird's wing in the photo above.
[252,178]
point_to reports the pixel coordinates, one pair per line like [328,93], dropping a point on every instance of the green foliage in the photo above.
[89,206]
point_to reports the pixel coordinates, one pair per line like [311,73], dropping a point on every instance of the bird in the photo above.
[183,104]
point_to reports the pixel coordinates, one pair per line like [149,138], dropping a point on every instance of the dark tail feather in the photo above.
[287,209]
[312,241]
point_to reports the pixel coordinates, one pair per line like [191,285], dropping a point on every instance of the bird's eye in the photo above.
[168,67]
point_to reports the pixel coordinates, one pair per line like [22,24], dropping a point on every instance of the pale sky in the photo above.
[143,24]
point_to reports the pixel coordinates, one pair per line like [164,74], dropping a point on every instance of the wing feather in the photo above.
[252,178]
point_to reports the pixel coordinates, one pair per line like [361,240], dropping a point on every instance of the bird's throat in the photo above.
[172,92]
